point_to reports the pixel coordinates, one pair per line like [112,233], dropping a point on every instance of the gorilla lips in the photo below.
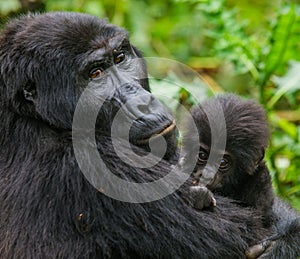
[168,129]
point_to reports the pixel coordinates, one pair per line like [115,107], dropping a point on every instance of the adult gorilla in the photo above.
[48,209]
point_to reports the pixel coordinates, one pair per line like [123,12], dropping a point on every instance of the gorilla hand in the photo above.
[285,244]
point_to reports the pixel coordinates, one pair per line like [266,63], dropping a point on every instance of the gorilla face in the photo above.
[45,71]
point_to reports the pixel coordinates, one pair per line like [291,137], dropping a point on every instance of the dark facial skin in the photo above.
[141,113]
[96,55]
[211,175]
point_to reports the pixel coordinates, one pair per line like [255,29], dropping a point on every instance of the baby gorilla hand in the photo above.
[201,197]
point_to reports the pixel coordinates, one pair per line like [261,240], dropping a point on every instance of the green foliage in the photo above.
[247,47]
[266,61]
[7,6]
[262,58]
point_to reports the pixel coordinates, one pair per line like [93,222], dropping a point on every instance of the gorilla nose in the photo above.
[150,115]
[149,119]
[205,176]
[146,105]
[208,174]
[141,105]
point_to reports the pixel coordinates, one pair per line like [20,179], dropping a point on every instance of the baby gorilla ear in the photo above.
[259,161]
[263,151]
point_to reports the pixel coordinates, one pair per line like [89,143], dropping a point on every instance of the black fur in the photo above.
[247,135]
[249,181]
[47,207]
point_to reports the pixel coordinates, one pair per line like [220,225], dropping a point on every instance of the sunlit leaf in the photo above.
[286,84]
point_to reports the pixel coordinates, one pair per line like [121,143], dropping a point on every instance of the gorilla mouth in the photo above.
[169,128]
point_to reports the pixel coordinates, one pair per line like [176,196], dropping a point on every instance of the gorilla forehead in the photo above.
[68,32]
[245,120]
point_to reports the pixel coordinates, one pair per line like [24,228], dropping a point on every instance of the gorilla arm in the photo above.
[285,243]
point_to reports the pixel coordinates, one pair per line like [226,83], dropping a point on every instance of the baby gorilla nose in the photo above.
[205,176]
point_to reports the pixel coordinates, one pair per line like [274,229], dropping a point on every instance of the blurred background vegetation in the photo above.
[250,47]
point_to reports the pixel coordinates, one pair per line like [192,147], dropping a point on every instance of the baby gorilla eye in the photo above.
[202,157]
[95,72]
[119,56]
[225,163]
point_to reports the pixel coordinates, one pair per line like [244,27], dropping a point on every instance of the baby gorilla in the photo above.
[237,170]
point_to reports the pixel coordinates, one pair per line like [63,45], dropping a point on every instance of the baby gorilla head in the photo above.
[246,133]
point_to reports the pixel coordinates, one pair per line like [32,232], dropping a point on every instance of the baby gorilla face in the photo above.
[211,172]
[231,171]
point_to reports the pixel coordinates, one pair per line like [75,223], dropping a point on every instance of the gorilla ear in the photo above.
[29,92]
[261,158]
[263,151]
[257,162]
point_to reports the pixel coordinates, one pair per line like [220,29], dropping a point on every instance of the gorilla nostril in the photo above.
[144,108]
[198,174]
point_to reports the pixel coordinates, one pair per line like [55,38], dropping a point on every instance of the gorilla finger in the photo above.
[199,204]
[208,199]
[256,251]
[214,202]
[266,253]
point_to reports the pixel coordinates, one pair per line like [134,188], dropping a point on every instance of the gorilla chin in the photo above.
[169,133]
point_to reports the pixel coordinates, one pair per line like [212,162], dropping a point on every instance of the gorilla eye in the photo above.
[95,72]
[225,163]
[202,157]
[119,56]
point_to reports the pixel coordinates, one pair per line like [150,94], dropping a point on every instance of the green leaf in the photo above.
[286,84]
[287,127]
